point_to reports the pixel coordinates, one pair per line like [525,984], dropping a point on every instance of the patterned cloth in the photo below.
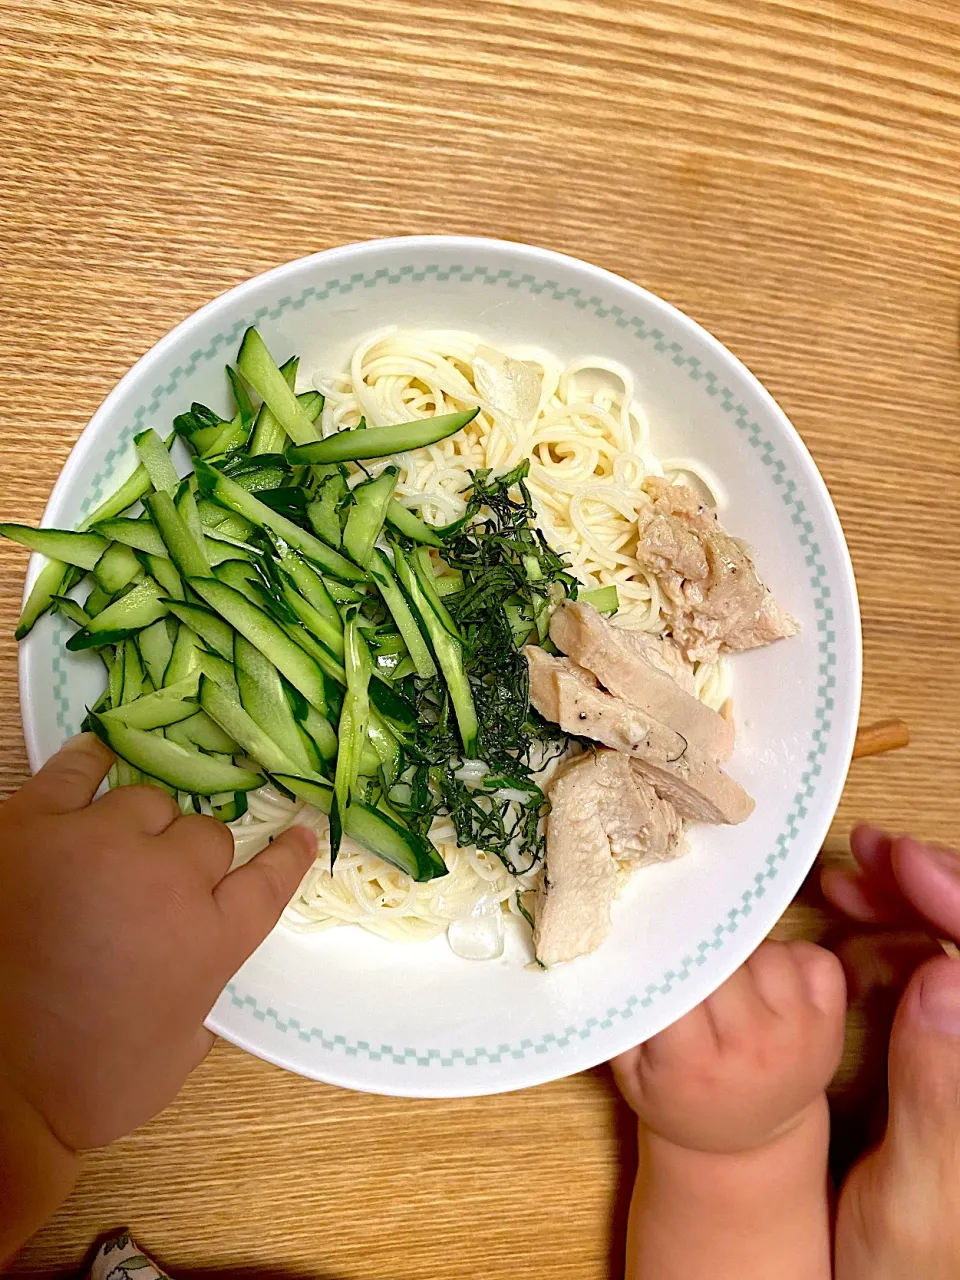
[121,1259]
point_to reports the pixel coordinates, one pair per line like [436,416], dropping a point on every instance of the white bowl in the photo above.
[351,1009]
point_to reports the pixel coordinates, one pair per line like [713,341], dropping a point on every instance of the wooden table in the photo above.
[786,171]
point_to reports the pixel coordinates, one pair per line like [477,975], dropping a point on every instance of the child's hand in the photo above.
[746,1065]
[118,929]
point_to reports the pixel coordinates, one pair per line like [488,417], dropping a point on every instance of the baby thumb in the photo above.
[924,1074]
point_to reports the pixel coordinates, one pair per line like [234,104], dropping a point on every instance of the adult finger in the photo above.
[878,966]
[70,779]
[861,898]
[872,847]
[204,843]
[146,809]
[252,898]
[930,880]
[924,1070]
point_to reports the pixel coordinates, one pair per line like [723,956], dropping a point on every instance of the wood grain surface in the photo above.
[786,171]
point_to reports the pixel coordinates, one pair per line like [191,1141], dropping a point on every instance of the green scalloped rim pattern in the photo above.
[713,387]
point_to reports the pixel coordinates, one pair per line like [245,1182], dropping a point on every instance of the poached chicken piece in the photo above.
[637,668]
[600,810]
[678,770]
[712,598]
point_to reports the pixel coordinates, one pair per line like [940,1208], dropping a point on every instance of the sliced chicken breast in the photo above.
[712,596]
[677,769]
[600,811]
[624,663]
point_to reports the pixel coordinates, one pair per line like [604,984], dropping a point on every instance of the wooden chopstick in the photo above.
[885,735]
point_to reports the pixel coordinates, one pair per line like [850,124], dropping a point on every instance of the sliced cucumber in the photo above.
[320,731]
[131,491]
[116,568]
[352,730]
[366,515]
[268,435]
[139,608]
[70,610]
[407,625]
[259,369]
[381,442]
[268,636]
[185,550]
[80,549]
[171,763]
[326,512]
[200,730]
[157,710]
[156,460]
[186,656]
[162,569]
[262,697]
[48,585]
[141,535]
[240,394]
[236,498]
[239,724]
[220,672]
[411,526]
[311,586]
[448,651]
[603,599]
[373,830]
[132,673]
[328,633]
[156,650]
[209,626]
[228,808]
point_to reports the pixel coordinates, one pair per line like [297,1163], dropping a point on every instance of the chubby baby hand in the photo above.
[747,1065]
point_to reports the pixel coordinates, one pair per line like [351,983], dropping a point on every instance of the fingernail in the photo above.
[940,998]
[79,740]
[308,839]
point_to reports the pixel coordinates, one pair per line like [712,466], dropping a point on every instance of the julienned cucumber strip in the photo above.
[448,652]
[262,697]
[80,549]
[157,710]
[381,442]
[366,516]
[352,733]
[155,458]
[259,368]
[171,763]
[410,525]
[407,625]
[223,490]
[183,548]
[131,613]
[273,642]
[311,586]
[131,491]
[604,599]
[156,649]
[268,435]
[116,568]
[240,395]
[199,730]
[48,584]
[329,633]
[231,717]
[209,626]
[372,829]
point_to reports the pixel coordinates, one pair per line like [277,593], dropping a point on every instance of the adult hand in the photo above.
[899,1211]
